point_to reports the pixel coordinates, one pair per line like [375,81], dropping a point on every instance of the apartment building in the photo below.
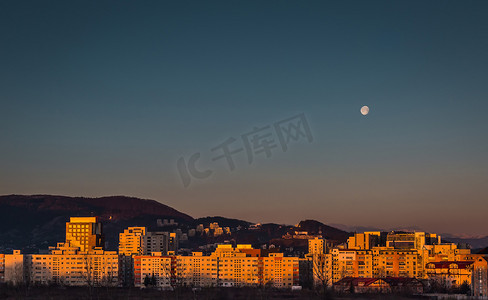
[138,241]
[279,271]
[317,246]
[366,240]
[79,261]
[368,256]
[131,241]
[154,267]
[175,271]
[2,268]
[404,254]
[390,262]
[67,265]
[450,273]
[399,255]
[238,266]
[196,270]
[84,233]
[244,265]
[479,277]
[155,242]
[227,266]
[411,240]
[14,267]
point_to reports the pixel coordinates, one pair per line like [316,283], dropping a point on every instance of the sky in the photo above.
[129,98]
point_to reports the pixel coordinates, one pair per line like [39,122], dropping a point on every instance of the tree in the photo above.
[351,288]
[109,279]
[87,273]
[380,272]
[167,277]
[343,272]
[180,276]
[306,274]
[322,272]
[438,285]
[18,273]
[147,281]
[465,288]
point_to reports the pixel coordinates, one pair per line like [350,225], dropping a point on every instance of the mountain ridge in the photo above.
[31,222]
[38,221]
[119,205]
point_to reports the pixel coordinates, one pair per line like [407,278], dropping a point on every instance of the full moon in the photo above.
[364,110]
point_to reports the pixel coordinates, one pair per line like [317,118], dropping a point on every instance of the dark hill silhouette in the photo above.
[316,227]
[39,220]
[119,207]
[223,222]
[483,251]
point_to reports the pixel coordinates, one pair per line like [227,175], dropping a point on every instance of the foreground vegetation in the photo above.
[57,292]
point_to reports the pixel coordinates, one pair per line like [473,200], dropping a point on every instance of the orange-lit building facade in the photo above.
[131,241]
[227,267]
[369,255]
[479,277]
[84,233]
[14,271]
[2,268]
[80,261]
[69,266]
[403,255]
[450,273]
[156,265]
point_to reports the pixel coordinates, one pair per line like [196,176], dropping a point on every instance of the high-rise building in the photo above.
[84,233]
[318,264]
[411,240]
[279,271]
[317,246]
[238,266]
[156,242]
[390,262]
[479,278]
[14,267]
[173,242]
[131,241]
[364,241]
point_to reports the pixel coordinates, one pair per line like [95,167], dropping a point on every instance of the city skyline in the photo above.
[407,263]
[101,99]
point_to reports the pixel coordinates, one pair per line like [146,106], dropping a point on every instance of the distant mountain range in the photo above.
[476,243]
[38,221]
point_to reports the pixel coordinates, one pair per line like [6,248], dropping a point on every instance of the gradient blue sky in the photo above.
[102,97]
